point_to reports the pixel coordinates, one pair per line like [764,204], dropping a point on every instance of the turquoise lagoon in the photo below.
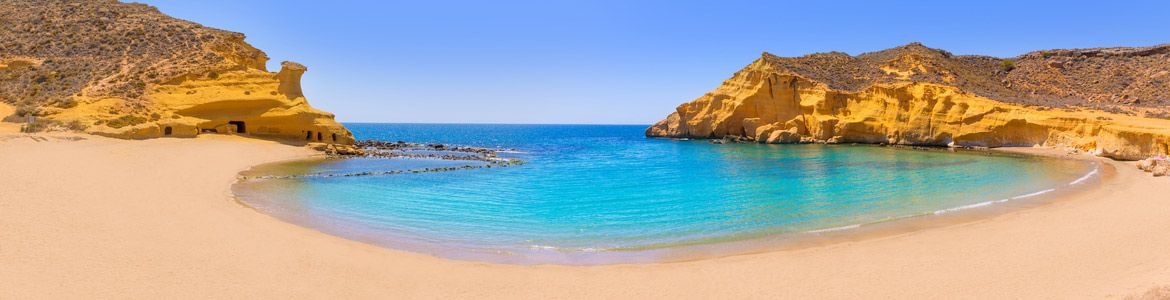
[593,194]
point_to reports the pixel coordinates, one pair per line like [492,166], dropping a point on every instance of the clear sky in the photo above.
[616,62]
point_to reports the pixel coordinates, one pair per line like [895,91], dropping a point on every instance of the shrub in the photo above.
[1157,115]
[67,103]
[1008,65]
[76,126]
[126,120]
[39,125]
[25,110]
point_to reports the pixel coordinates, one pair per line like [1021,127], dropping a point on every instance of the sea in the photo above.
[603,194]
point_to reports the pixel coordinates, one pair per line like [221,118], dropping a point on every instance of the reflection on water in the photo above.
[588,192]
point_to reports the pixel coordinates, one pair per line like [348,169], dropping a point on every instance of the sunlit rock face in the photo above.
[252,102]
[913,95]
[127,70]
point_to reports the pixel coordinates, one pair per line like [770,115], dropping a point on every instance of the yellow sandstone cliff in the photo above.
[249,102]
[770,102]
[129,71]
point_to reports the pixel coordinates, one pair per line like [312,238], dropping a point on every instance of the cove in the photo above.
[593,194]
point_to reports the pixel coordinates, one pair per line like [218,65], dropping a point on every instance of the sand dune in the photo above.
[104,218]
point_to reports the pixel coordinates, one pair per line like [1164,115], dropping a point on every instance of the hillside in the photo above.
[127,70]
[1114,101]
[1115,78]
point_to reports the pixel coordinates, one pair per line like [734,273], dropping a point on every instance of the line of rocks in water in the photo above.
[399,149]
[492,159]
[367,173]
[380,149]
[402,145]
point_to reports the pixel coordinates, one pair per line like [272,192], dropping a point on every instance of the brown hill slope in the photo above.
[113,68]
[1103,77]
[1089,99]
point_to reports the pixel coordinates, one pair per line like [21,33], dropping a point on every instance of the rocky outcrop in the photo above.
[290,79]
[129,71]
[251,102]
[911,95]
[1158,166]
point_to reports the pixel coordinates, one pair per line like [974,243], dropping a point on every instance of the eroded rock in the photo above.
[895,103]
[1161,169]
[129,71]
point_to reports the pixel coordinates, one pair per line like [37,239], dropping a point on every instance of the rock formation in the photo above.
[129,71]
[1110,101]
[1158,166]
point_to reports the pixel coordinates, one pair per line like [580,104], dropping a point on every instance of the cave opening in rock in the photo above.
[318,136]
[309,135]
[334,136]
[240,126]
[167,130]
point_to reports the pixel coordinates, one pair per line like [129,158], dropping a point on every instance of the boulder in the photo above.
[784,137]
[318,146]
[347,150]
[1161,170]
[1146,164]
[1160,167]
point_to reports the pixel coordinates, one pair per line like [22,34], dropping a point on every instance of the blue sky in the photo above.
[616,62]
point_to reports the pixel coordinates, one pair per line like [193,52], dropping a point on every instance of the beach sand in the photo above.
[105,218]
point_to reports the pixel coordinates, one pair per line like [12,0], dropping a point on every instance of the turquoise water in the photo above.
[600,194]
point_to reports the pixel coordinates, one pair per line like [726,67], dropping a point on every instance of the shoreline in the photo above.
[748,242]
[170,236]
[907,224]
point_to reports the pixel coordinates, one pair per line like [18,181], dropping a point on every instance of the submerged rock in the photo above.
[487,158]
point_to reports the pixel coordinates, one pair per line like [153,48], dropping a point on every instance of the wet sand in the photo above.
[105,218]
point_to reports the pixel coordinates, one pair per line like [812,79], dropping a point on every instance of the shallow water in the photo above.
[600,194]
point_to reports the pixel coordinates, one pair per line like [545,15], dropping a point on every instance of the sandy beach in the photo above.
[90,217]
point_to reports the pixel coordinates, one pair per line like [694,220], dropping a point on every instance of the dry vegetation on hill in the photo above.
[52,50]
[1115,79]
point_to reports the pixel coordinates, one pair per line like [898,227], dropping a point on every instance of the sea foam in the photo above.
[847,227]
[1086,177]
